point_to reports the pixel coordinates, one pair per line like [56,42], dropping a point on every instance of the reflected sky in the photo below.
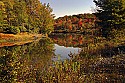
[63,51]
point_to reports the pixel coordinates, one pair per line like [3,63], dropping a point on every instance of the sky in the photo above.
[70,7]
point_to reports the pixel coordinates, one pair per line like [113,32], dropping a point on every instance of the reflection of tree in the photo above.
[71,40]
[25,63]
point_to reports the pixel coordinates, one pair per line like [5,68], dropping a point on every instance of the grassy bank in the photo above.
[88,67]
[86,70]
[18,39]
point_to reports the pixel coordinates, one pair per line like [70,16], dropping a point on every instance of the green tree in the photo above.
[46,19]
[19,9]
[26,15]
[2,15]
[111,13]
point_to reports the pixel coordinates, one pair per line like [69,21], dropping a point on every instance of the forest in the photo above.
[100,38]
[80,23]
[30,16]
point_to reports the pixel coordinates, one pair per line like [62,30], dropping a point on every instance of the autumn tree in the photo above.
[74,23]
[46,19]
[25,16]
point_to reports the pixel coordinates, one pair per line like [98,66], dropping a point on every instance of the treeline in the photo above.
[25,16]
[75,23]
[108,20]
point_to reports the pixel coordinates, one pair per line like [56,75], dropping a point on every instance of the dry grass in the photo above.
[18,39]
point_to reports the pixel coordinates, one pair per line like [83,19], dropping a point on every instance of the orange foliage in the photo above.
[70,27]
[70,37]
[6,35]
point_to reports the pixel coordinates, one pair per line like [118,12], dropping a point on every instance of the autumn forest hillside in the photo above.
[80,23]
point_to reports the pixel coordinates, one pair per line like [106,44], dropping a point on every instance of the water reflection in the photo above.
[71,40]
[87,43]
[25,63]
[31,62]
[65,52]
[67,45]
[97,65]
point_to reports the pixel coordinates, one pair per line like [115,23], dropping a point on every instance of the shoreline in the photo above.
[18,39]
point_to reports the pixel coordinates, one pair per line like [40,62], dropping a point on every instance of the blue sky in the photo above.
[70,7]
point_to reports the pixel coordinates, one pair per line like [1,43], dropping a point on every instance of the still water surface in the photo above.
[64,52]
[66,45]
[25,62]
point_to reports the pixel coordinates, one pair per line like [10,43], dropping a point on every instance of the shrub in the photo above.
[22,29]
[1,29]
[13,30]
[117,33]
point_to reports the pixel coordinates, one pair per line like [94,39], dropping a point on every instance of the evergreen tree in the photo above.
[111,13]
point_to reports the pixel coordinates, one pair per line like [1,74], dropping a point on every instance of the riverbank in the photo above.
[18,39]
[90,31]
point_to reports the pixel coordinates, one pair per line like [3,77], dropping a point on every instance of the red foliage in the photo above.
[70,27]
[80,23]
